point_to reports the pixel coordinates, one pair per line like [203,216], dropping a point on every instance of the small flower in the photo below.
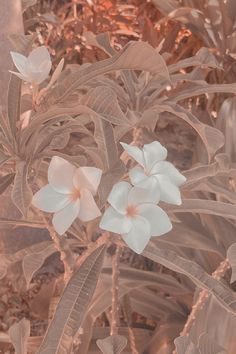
[69,193]
[153,169]
[134,215]
[35,68]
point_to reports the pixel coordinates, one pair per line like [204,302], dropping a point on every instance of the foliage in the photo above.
[82,116]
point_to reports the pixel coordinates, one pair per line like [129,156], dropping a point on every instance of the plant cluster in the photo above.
[81,160]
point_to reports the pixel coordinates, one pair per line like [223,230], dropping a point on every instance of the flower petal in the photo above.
[137,175]
[39,64]
[139,235]
[22,77]
[64,218]
[87,178]
[118,196]
[49,200]
[88,208]
[147,191]
[20,62]
[153,153]
[159,221]
[60,175]
[169,191]
[168,169]
[115,222]
[134,152]
[40,58]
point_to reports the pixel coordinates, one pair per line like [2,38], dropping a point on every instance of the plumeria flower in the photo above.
[34,68]
[134,215]
[69,194]
[154,169]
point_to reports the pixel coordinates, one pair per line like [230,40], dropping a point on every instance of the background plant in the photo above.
[133,95]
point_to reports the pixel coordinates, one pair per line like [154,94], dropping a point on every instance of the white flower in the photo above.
[153,169]
[35,68]
[134,215]
[69,193]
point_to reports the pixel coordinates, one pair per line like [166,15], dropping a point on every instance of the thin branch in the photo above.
[115,294]
[203,296]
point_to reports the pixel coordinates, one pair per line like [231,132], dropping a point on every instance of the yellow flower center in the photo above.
[131,211]
[75,195]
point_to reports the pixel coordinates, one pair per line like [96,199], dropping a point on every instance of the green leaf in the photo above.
[73,304]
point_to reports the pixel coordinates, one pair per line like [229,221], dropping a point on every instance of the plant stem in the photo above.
[203,296]
[115,290]
[128,317]
[66,254]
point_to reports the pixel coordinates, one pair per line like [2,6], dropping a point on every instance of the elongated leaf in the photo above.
[104,136]
[231,255]
[21,192]
[72,305]
[202,58]
[110,177]
[5,181]
[166,6]
[165,282]
[103,101]
[211,137]
[192,270]
[201,206]
[102,41]
[195,89]
[32,262]
[112,344]
[225,121]
[19,334]
[134,56]
[198,173]
[3,158]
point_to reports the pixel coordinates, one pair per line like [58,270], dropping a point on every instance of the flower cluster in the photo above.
[133,212]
